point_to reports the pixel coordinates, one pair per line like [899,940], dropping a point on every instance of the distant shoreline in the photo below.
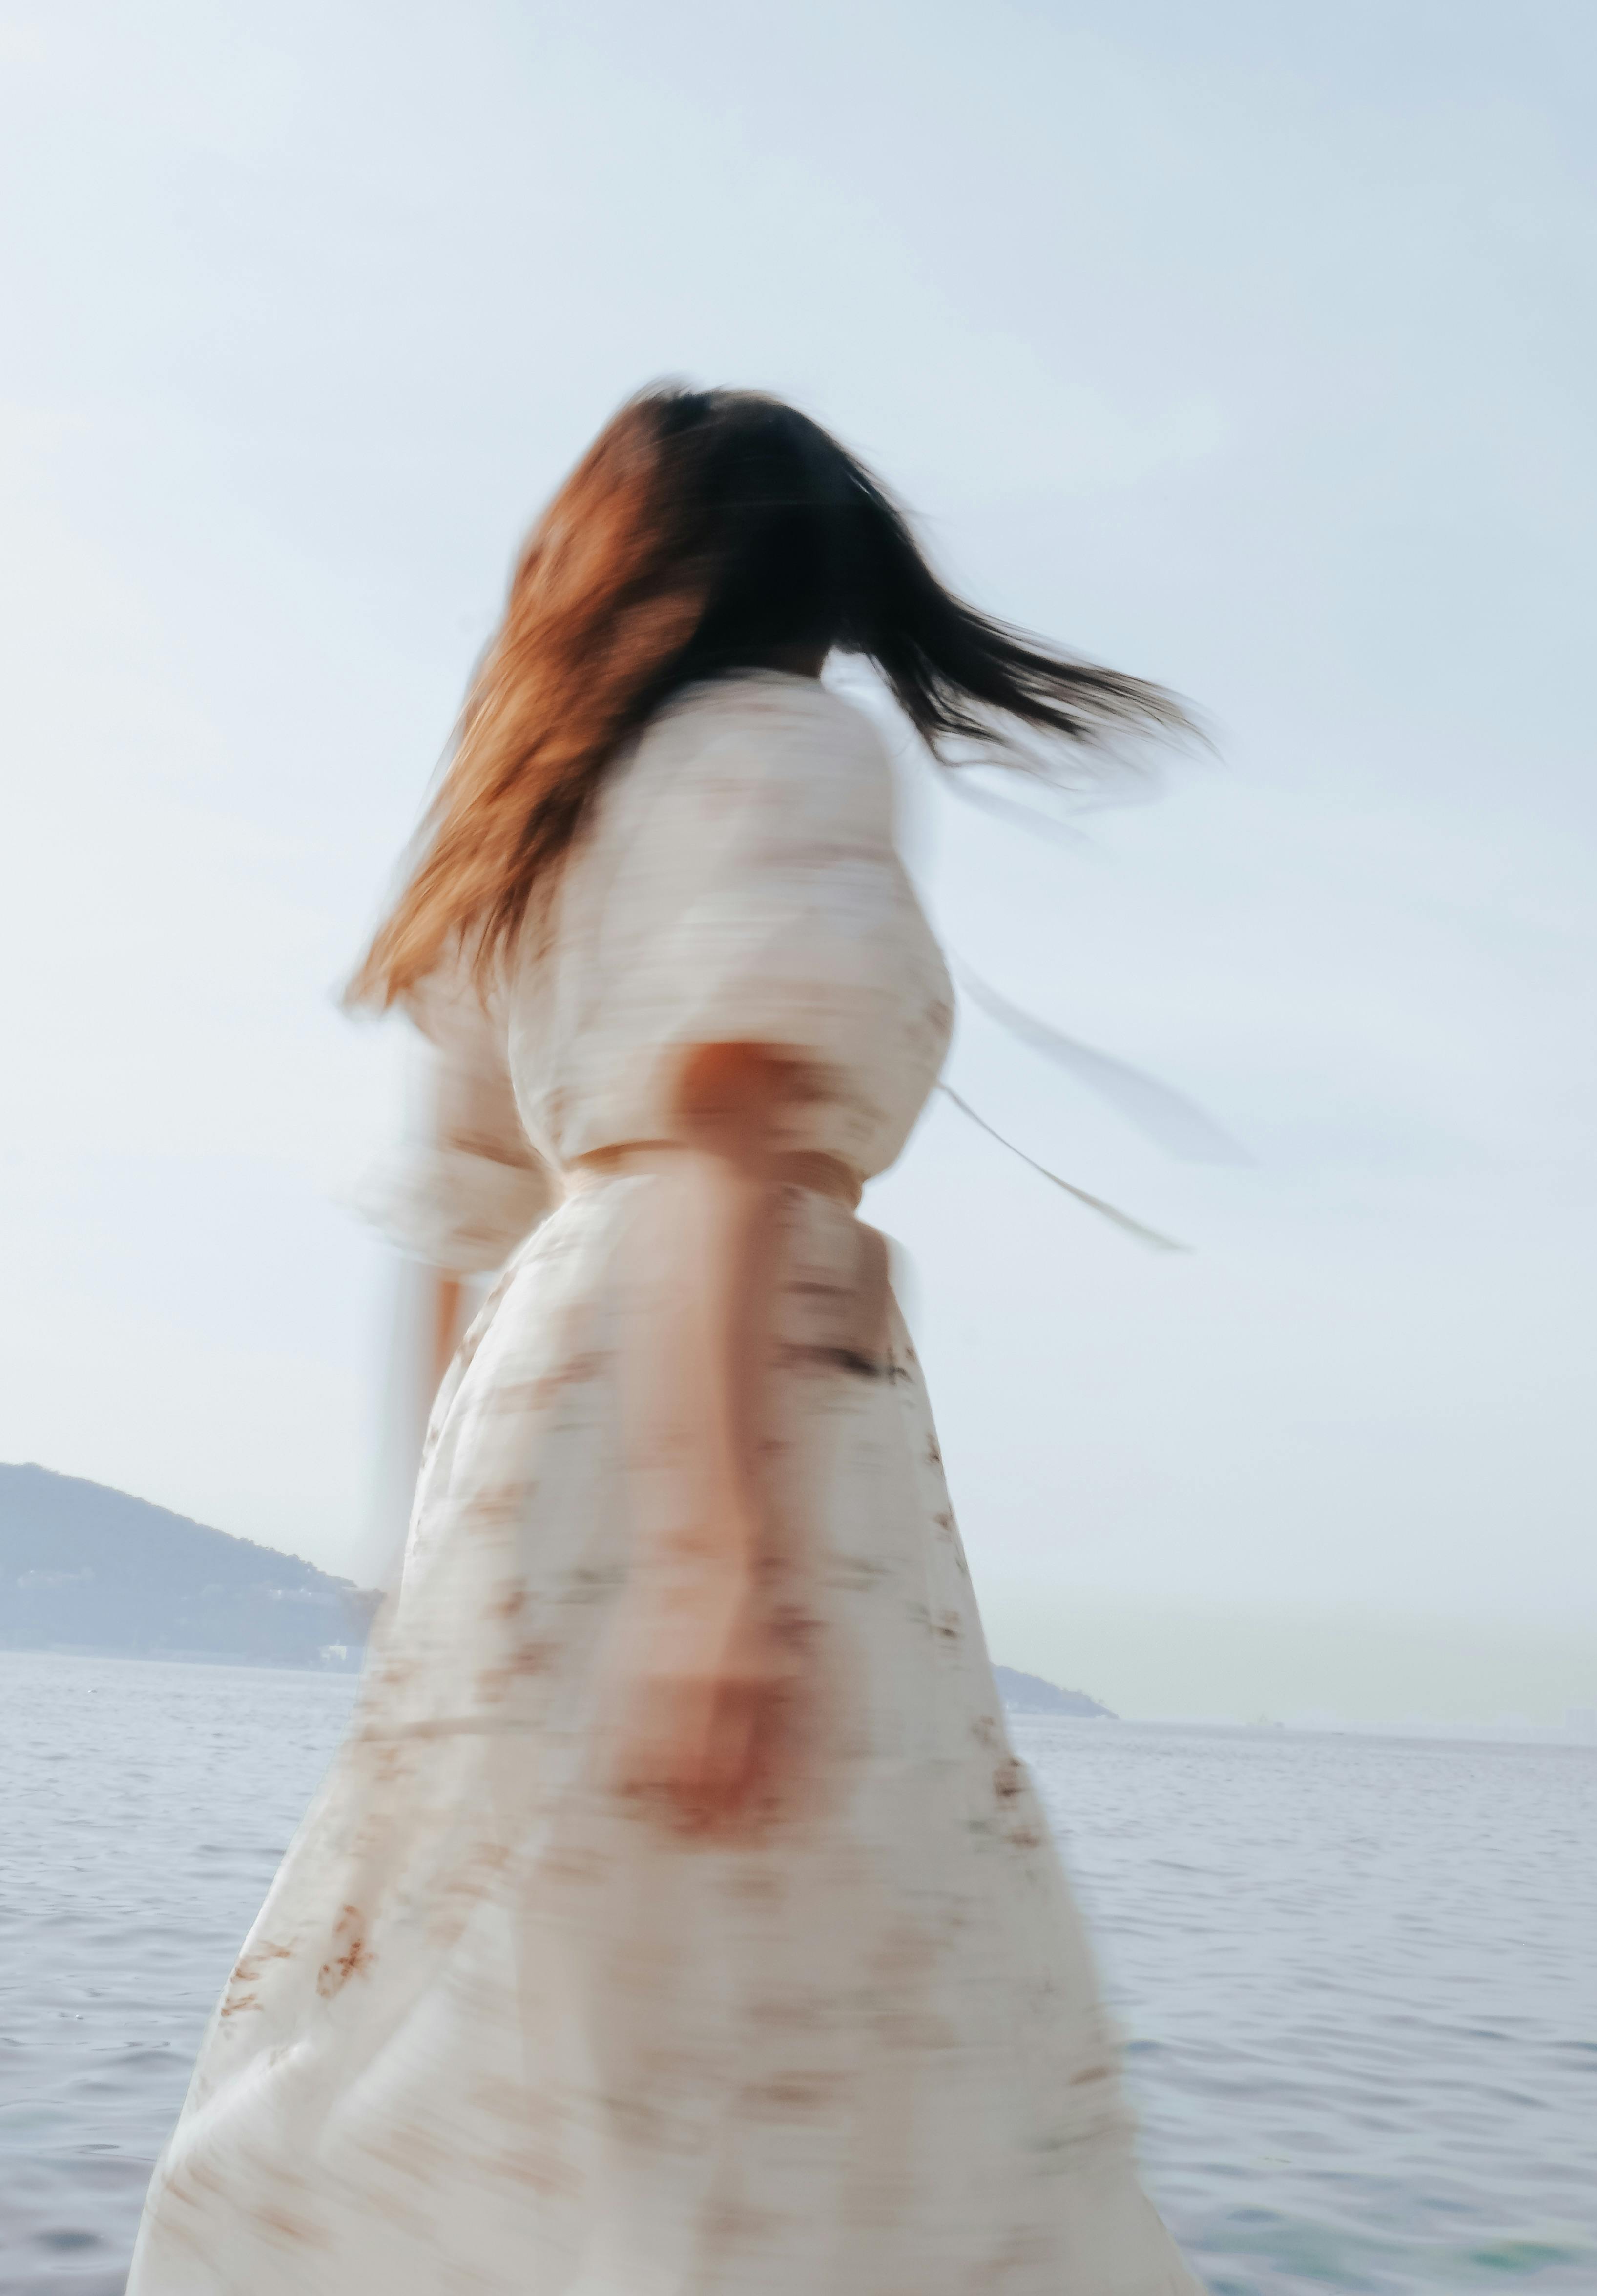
[255,1664]
[1534,1738]
[1462,1736]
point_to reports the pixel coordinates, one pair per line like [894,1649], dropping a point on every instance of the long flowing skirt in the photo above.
[499,2030]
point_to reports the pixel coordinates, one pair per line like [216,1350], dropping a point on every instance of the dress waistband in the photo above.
[799,1167]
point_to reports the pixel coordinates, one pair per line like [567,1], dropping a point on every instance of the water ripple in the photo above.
[1356,1975]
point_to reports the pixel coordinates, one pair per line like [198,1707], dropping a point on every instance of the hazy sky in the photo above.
[1249,347]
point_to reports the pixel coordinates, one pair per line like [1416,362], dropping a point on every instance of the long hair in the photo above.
[701,532]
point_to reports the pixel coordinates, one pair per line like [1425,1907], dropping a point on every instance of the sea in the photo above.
[1357,1976]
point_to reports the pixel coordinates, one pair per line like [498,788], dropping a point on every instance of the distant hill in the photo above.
[1028,1693]
[83,1567]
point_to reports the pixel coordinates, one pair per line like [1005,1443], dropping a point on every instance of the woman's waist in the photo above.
[833,1299]
[799,1167]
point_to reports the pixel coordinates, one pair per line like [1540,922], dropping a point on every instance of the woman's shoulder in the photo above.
[767,729]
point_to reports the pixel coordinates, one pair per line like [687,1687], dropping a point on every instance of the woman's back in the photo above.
[738,882]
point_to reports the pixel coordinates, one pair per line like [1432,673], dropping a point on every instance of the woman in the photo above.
[675,1919]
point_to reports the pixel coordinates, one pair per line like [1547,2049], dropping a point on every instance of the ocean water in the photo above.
[1358,1976]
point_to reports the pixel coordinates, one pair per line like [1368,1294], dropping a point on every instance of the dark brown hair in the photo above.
[702,531]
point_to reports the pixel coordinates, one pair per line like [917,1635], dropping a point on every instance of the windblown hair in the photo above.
[702,531]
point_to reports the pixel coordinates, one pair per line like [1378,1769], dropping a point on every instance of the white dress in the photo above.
[494,2030]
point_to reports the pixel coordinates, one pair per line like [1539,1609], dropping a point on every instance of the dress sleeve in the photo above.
[792,922]
[469,1186]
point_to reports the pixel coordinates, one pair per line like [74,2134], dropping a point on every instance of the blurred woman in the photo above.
[676,1918]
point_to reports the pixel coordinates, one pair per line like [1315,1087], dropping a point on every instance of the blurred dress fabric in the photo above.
[497,2029]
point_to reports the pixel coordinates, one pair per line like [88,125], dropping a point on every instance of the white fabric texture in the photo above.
[471,1186]
[496,2031]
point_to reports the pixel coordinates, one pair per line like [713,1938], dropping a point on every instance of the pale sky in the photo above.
[1248,347]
